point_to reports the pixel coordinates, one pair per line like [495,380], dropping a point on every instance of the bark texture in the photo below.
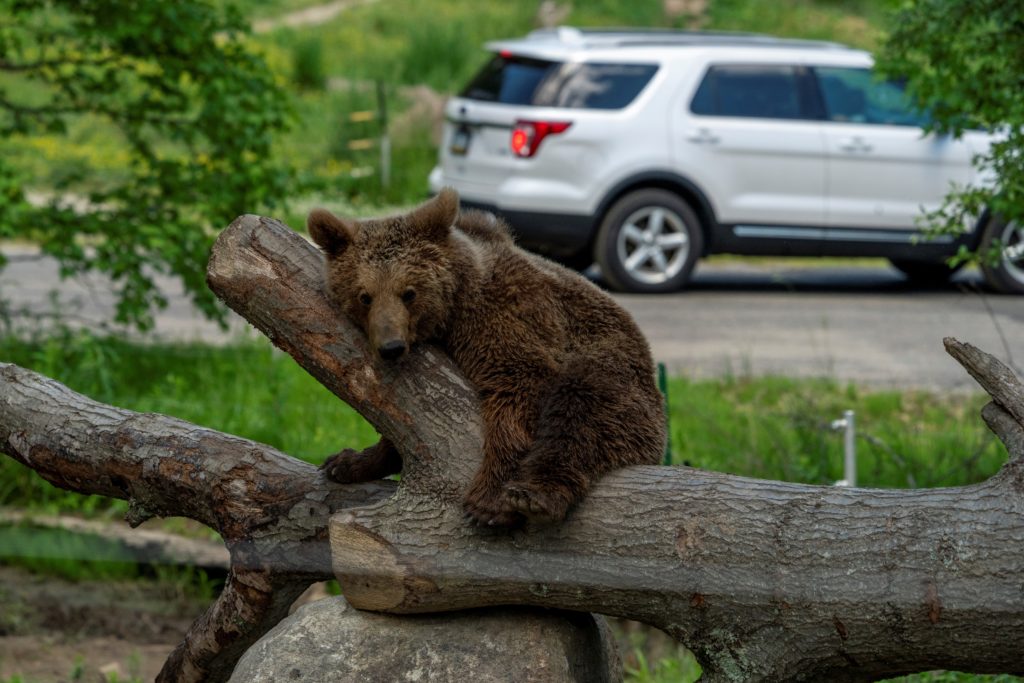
[272,510]
[762,580]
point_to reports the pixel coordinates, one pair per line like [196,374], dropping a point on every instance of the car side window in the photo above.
[751,91]
[857,96]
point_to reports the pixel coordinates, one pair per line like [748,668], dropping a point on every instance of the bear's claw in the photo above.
[346,467]
[536,505]
[490,510]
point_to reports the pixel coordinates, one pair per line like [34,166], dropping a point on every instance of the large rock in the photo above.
[328,640]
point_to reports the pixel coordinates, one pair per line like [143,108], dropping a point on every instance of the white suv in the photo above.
[644,150]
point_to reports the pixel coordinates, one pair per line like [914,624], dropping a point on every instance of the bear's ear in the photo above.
[333,234]
[434,218]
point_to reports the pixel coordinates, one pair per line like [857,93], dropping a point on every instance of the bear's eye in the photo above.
[365,299]
[408,295]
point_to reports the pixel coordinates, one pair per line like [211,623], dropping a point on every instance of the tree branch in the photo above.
[994,376]
[271,510]
[20,67]
[762,580]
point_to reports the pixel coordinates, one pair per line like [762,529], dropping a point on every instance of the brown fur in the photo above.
[564,375]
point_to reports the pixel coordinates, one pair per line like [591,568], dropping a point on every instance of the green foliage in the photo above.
[65,554]
[955,677]
[308,64]
[187,112]
[682,669]
[779,428]
[852,22]
[963,62]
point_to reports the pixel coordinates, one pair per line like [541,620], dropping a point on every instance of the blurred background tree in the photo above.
[964,62]
[179,114]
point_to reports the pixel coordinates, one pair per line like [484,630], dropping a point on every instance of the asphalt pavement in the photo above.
[861,324]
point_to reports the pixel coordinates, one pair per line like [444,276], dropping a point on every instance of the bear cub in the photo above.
[565,378]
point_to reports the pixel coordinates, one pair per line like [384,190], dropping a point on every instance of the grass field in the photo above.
[770,427]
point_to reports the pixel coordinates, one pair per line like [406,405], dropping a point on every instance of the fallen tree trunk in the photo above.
[763,580]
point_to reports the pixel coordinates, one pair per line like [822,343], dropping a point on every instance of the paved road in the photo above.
[860,324]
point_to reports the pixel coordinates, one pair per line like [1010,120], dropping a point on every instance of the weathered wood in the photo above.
[270,509]
[995,378]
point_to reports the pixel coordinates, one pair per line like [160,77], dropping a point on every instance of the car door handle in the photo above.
[855,145]
[703,136]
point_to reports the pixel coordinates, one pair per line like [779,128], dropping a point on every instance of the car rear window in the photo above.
[575,85]
[756,91]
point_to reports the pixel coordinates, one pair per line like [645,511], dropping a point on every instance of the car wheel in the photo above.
[648,242]
[1007,274]
[925,272]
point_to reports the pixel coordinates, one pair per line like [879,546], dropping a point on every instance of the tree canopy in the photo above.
[180,113]
[964,62]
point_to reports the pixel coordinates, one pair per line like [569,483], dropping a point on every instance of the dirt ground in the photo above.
[52,630]
[58,631]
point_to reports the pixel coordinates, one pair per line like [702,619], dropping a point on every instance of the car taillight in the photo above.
[527,135]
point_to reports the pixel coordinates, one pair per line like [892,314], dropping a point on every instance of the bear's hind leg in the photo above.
[506,418]
[595,417]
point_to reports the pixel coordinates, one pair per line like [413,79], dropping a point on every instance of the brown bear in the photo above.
[565,377]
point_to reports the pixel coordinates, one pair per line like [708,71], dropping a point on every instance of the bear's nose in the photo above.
[392,349]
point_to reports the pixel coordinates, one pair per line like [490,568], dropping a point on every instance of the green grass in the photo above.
[778,428]
[770,427]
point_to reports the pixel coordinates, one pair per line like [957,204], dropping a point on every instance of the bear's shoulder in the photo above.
[483,226]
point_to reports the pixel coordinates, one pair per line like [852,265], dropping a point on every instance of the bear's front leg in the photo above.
[352,467]
[506,438]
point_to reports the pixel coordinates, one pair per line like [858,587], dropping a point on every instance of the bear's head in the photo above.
[394,277]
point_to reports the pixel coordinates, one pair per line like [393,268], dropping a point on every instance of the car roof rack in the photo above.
[570,36]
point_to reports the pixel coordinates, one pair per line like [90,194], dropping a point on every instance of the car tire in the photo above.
[579,261]
[649,241]
[925,272]
[1007,274]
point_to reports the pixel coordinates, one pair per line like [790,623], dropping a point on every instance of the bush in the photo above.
[308,64]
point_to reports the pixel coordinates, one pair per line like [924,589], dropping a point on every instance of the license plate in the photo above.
[460,141]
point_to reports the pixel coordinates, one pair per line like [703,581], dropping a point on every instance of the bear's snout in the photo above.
[391,350]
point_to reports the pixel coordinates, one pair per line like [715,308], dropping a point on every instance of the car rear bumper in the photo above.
[557,234]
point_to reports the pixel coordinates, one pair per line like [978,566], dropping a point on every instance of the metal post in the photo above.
[850,449]
[848,425]
[385,139]
[663,386]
